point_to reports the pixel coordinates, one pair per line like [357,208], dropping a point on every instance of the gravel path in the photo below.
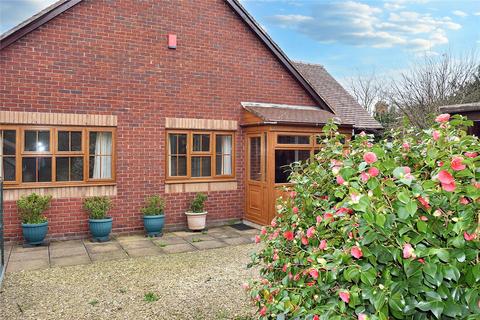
[195,285]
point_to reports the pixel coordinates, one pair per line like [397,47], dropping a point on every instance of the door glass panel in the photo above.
[282,139]
[255,159]
[9,168]
[283,160]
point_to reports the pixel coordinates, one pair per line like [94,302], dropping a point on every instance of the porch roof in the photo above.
[290,114]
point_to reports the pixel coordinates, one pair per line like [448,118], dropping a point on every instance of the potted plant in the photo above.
[99,223]
[34,223]
[153,217]
[197,216]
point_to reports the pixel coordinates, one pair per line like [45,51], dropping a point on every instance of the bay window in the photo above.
[197,155]
[56,156]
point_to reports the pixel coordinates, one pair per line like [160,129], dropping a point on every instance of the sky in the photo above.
[349,38]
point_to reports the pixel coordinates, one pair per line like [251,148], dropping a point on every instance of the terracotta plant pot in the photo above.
[196,220]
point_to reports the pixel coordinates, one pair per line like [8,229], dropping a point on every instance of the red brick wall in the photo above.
[111,57]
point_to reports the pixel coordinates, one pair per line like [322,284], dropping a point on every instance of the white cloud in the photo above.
[361,24]
[477,13]
[459,13]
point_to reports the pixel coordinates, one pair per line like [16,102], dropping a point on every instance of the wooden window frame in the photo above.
[190,153]
[53,153]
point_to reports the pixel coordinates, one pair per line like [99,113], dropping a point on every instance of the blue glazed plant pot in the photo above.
[34,233]
[154,224]
[100,229]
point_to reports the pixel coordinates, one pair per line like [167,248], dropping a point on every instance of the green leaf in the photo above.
[368,277]
[452,309]
[403,213]
[443,254]
[411,207]
[436,307]
[403,197]
[451,272]
[421,226]
[430,269]
[380,219]
[396,302]
[378,300]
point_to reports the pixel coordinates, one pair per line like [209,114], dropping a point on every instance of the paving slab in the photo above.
[106,256]
[184,234]
[32,264]
[143,252]
[177,248]
[70,260]
[134,237]
[71,248]
[209,244]
[136,244]
[198,237]
[38,254]
[103,247]
[169,240]
[236,241]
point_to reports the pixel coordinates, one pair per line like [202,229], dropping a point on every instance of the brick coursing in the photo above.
[111,57]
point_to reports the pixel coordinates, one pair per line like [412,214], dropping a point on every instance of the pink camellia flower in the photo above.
[284,269]
[295,210]
[464,201]
[424,202]
[328,216]
[421,260]
[457,164]
[362,134]
[442,118]
[315,317]
[313,273]
[336,169]
[345,296]
[449,187]
[408,251]
[469,237]
[373,171]
[407,170]
[274,222]
[245,286]
[445,177]
[436,135]
[477,185]
[423,218]
[293,194]
[288,235]
[296,277]
[340,180]
[364,176]
[406,146]
[275,256]
[323,245]
[263,231]
[471,154]
[257,239]
[356,252]
[263,311]
[362,316]
[304,241]
[310,232]
[355,197]
[319,219]
[370,157]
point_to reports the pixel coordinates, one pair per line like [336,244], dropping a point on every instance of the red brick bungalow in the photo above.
[97,99]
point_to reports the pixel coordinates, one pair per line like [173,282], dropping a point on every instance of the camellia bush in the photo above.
[377,230]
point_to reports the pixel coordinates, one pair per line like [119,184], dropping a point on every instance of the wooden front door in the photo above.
[256,181]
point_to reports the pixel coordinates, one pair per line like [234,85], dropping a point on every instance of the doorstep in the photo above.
[78,252]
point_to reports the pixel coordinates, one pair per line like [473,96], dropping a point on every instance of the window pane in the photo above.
[283,159]
[293,139]
[255,159]
[63,141]
[75,141]
[9,168]
[43,143]
[105,141]
[182,144]
[223,165]
[30,140]
[9,138]
[62,169]
[201,142]
[92,142]
[173,143]
[201,166]
[182,166]
[44,169]
[100,167]
[76,169]
[29,169]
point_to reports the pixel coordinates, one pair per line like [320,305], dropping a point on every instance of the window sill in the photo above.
[59,185]
[200,181]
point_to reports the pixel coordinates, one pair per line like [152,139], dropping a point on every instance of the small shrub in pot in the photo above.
[99,223]
[34,224]
[196,216]
[153,215]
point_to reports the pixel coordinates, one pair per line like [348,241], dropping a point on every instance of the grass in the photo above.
[196,240]
[150,297]
[93,302]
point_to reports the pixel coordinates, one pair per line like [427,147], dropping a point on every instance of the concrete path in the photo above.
[77,252]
